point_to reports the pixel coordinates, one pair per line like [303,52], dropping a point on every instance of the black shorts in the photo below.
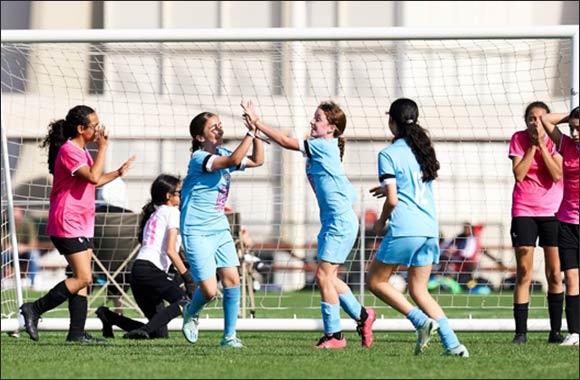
[526,229]
[68,246]
[568,247]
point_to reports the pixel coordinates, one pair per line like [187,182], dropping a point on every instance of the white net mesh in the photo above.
[471,94]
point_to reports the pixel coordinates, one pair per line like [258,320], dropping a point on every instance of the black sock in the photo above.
[57,295]
[77,307]
[161,319]
[338,335]
[126,324]
[363,314]
[521,317]
[555,304]
[572,311]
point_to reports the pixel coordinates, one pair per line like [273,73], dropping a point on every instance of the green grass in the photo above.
[276,355]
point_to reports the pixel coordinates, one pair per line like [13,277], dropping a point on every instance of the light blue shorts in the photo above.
[337,237]
[411,251]
[206,253]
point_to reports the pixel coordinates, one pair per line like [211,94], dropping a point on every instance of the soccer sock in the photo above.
[330,317]
[197,302]
[57,295]
[350,304]
[572,311]
[555,304]
[417,317]
[231,308]
[162,318]
[77,308]
[521,317]
[126,324]
[446,334]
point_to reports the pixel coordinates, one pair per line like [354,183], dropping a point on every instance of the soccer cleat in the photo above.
[83,337]
[30,320]
[460,350]
[137,334]
[365,328]
[331,342]
[571,340]
[555,337]
[424,335]
[107,327]
[520,339]
[189,327]
[231,341]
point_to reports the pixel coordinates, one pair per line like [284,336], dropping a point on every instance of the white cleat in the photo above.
[460,350]
[571,340]
[190,323]
[424,335]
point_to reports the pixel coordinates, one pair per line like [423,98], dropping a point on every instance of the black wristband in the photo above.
[187,277]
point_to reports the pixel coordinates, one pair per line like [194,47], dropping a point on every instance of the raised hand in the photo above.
[126,166]
[101,136]
[250,111]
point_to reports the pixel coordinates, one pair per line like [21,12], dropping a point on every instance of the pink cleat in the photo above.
[365,328]
[331,342]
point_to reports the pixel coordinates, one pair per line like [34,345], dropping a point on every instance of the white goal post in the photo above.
[471,84]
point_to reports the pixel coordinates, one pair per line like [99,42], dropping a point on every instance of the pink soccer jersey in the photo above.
[568,212]
[72,199]
[537,194]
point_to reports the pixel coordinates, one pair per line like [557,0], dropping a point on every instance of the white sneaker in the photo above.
[424,335]
[460,350]
[571,340]
[190,323]
[231,341]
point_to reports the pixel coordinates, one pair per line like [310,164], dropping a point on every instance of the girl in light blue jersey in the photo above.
[335,197]
[204,227]
[406,171]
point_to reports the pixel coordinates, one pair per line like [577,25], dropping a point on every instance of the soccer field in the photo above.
[285,355]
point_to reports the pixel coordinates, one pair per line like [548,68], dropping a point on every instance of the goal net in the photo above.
[471,90]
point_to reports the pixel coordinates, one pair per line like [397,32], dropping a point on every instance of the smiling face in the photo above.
[213,133]
[319,126]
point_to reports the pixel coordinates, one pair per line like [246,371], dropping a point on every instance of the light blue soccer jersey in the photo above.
[334,192]
[204,195]
[415,214]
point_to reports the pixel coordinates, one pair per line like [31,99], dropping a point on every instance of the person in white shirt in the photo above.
[160,243]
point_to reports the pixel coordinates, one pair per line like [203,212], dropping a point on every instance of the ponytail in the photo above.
[163,184]
[61,130]
[146,212]
[341,144]
[405,113]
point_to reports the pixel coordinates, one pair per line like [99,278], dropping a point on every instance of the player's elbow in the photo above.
[392,202]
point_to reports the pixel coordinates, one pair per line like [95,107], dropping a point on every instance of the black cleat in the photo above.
[555,337]
[107,326]
[83,337]
[137,334]
[30,320]
[520,339]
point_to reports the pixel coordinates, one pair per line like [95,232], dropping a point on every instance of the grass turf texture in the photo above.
[272,355]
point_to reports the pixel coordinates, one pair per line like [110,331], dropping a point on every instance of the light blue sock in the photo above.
[417,317]
[231,307]
[197,303]
[330,317]
[447,335]
[350,304]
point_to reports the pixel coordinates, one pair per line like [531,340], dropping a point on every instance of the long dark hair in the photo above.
[335,116]
[163,184]
[60,131]
[196,128]
[405,113]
